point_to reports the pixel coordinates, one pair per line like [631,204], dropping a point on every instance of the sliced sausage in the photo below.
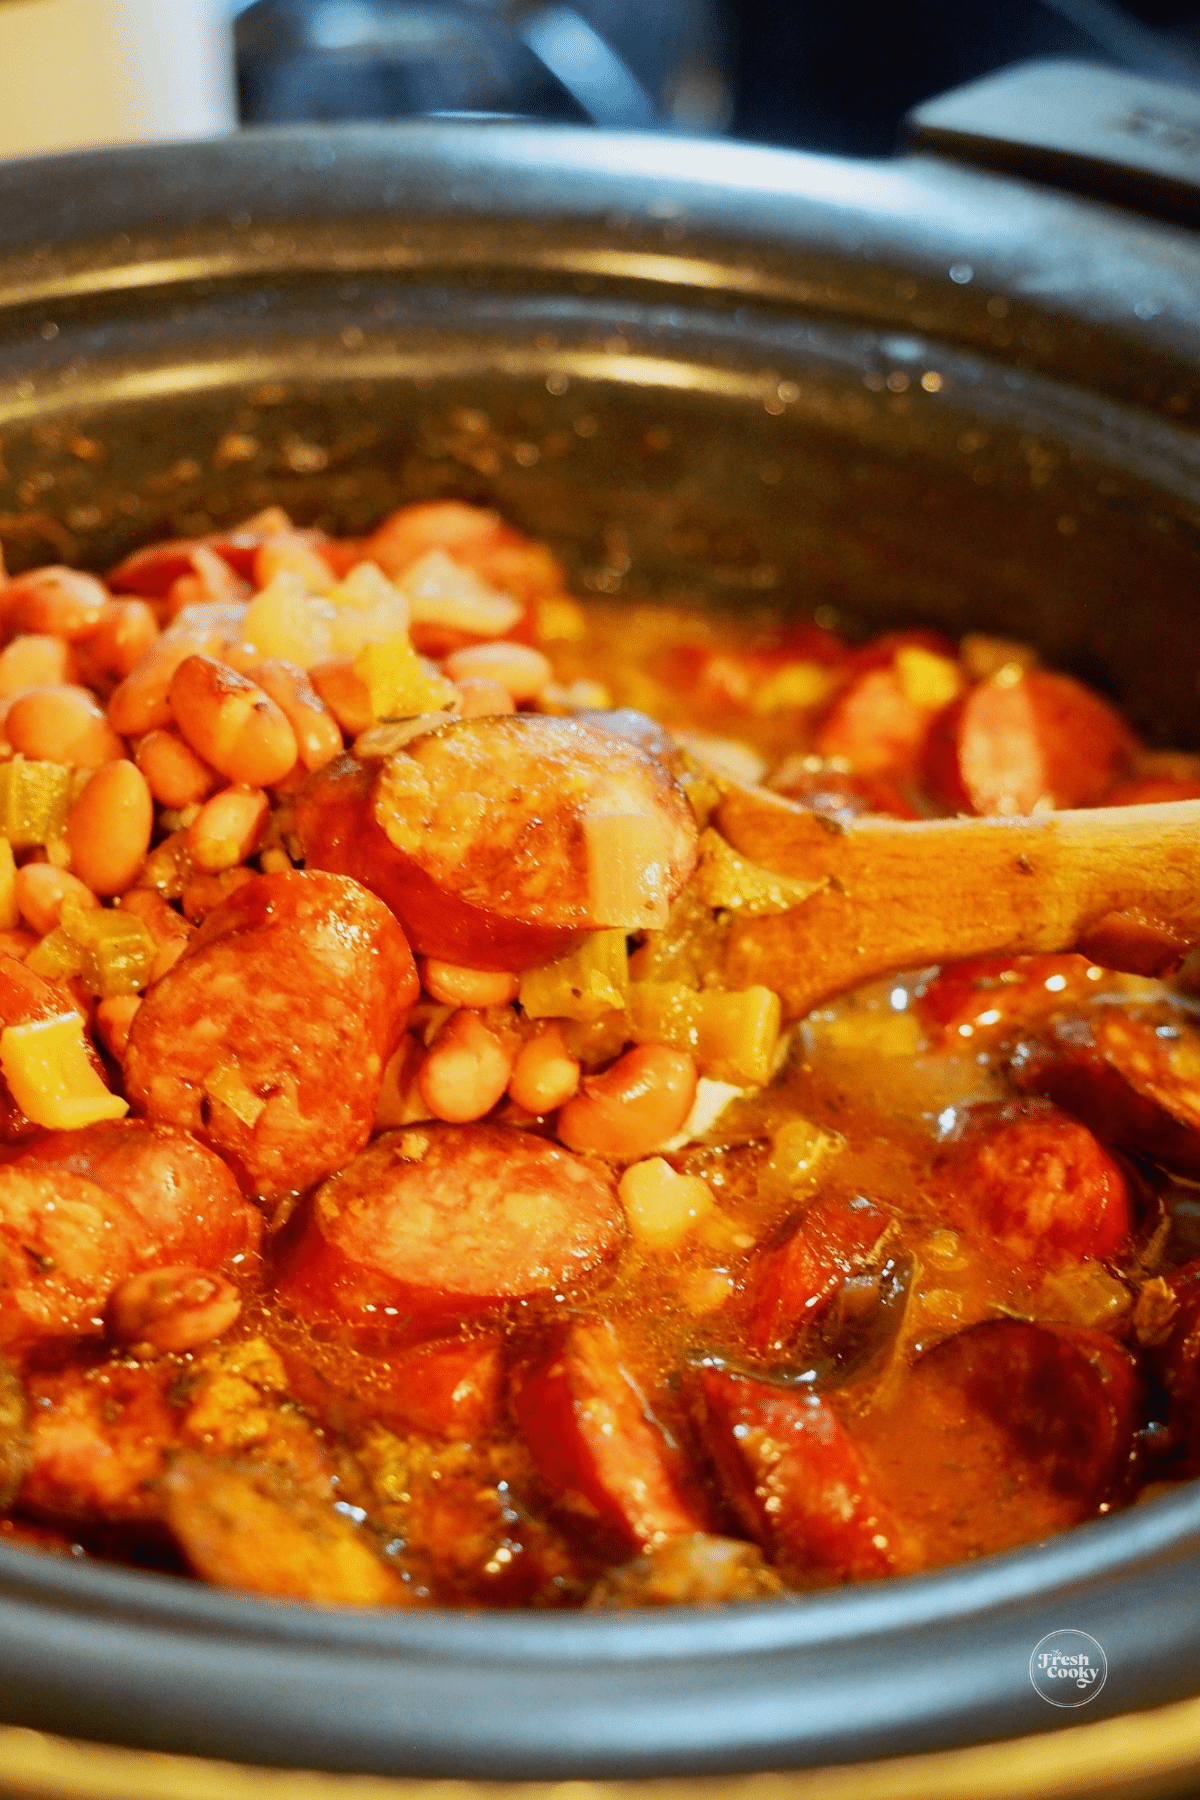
[243,1525]
[1066,1399]
[1037,1180]
[496,841]
[1007,746]
[64,1246]
[593,1441]
[797,1481]
[187,1199]
[99,1442]
[986,992]
[1125,1078]
[795,1281]
[449,1388]
[14,1432]
[269,1037]
[876,727]
[449,1220]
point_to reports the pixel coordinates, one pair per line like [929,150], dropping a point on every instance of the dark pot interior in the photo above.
[908,393]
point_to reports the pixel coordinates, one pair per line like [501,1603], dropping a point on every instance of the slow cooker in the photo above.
[957,389]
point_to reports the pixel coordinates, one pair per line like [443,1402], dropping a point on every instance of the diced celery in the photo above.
[56,956]
[725,879]
[594,1041]
[733,1036]
[34,798]
[592,981]
[10,915]
[111,952]
[692,944]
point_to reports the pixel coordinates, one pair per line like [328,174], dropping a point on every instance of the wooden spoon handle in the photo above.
[903,894]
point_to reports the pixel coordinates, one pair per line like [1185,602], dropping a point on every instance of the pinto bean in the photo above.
[519,669]
[176,776]
[124,632]
[455,986]
[345,694]
[601,836]
[170,1310]
[545,1075]
[34,661]
[54,602]
[228,828]
[318,734]
[593,1441]
[114,1018]
[109,827]
[466,1070]
[634,1106]
[140,703]
[231,723]
[444,1221]
[41,890]
[270,1034]
[62,724]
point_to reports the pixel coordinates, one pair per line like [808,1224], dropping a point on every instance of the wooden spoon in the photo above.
[1120,883]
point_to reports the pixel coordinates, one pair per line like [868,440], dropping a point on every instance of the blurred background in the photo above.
[786,72]
[802,73]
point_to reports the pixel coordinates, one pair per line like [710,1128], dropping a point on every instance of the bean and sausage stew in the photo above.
[403,1201]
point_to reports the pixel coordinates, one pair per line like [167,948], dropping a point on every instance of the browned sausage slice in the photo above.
[442,1221]
[270,1034]
[450,1388]
[795,1280]
[593,1442]
[1007,746]
[1066,1399]
[187,1199]
[1120,1076]
[496,841]
[64,1246]
[1037,1180]
[797,1481]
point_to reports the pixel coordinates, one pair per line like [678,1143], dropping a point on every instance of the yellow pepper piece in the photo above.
[927,679]
[50,1077]
[34,799]
[399,685]
[592,981]
[10,916]
[733,1036]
